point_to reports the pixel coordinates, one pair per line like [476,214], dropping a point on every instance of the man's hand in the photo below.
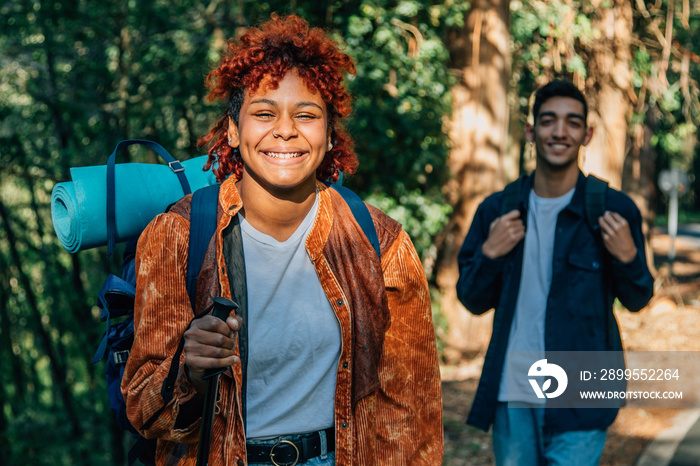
[504,233]
[209,344]
[617,237]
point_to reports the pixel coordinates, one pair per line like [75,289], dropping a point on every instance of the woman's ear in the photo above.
[233,139]
[329,136]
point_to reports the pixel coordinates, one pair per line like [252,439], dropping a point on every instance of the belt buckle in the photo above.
[272,454]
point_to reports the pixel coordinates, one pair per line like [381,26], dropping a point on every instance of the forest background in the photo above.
[441,97]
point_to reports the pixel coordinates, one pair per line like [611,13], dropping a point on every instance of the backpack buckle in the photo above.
[120,357]
[176,166]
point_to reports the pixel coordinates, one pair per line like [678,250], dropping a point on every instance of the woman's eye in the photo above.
[306,116]
[264,115]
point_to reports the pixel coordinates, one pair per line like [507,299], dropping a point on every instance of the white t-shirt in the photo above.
[294,338]
[526,341]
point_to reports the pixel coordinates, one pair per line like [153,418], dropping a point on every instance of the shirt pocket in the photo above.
[589,261]
[585,284]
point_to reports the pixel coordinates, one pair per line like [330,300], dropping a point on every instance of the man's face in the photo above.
[559,132]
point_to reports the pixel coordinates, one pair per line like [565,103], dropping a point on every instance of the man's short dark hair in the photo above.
[558,88]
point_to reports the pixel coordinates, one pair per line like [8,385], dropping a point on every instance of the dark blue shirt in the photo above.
[586,279]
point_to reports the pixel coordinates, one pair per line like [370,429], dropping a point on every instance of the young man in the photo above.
[552,281]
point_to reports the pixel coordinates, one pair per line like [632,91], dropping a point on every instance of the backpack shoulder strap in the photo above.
[361,213]
[595,201]
[202,228]
[511,195]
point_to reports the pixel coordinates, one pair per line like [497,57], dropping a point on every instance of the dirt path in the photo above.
[671,322]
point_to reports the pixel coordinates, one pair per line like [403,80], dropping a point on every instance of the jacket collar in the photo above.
[230,199]
[322,225]
[576,205]
[231,203]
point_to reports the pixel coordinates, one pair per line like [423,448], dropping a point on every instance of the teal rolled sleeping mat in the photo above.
[137,192]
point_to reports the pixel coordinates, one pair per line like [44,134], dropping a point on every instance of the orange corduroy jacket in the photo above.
[388,403]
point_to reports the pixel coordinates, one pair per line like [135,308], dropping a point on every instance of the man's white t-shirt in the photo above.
[526,339]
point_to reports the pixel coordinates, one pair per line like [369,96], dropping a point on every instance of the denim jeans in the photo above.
[327,459]
[316,461]
[520,440]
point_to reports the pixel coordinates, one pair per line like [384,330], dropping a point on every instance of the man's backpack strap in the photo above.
[595,208]
[361,213]
[511,195]
[174,165]
[595,201]
[202,227]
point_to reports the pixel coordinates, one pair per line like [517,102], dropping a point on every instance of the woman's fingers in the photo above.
[210,343]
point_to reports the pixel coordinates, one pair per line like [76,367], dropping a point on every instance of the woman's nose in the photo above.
[285,128]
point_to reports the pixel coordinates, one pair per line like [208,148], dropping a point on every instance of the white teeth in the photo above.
[283,155]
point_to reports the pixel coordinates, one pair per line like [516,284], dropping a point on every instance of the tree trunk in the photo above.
[609,90]
[638,178]
[14,371]
[7,340]
[610,96]
[478,130]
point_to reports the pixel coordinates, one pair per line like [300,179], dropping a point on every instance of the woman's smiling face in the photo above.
[282,134]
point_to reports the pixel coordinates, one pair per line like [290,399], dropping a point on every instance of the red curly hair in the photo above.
[279,45]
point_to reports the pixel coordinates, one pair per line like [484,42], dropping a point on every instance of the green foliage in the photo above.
[402,91]
[675,144]
[423,218]
[547,40]
[666,79]
[685,217]
[440,322]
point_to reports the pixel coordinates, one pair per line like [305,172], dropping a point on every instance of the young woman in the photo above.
[332,352]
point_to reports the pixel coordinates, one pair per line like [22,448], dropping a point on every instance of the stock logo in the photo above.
[543,369]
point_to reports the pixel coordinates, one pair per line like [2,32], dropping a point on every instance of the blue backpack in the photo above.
[116,297]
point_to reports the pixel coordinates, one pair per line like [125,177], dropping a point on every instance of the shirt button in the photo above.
[344,425]
[345,365]
[339,302]
[240,463]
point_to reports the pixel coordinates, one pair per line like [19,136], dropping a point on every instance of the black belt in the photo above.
[291,449]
